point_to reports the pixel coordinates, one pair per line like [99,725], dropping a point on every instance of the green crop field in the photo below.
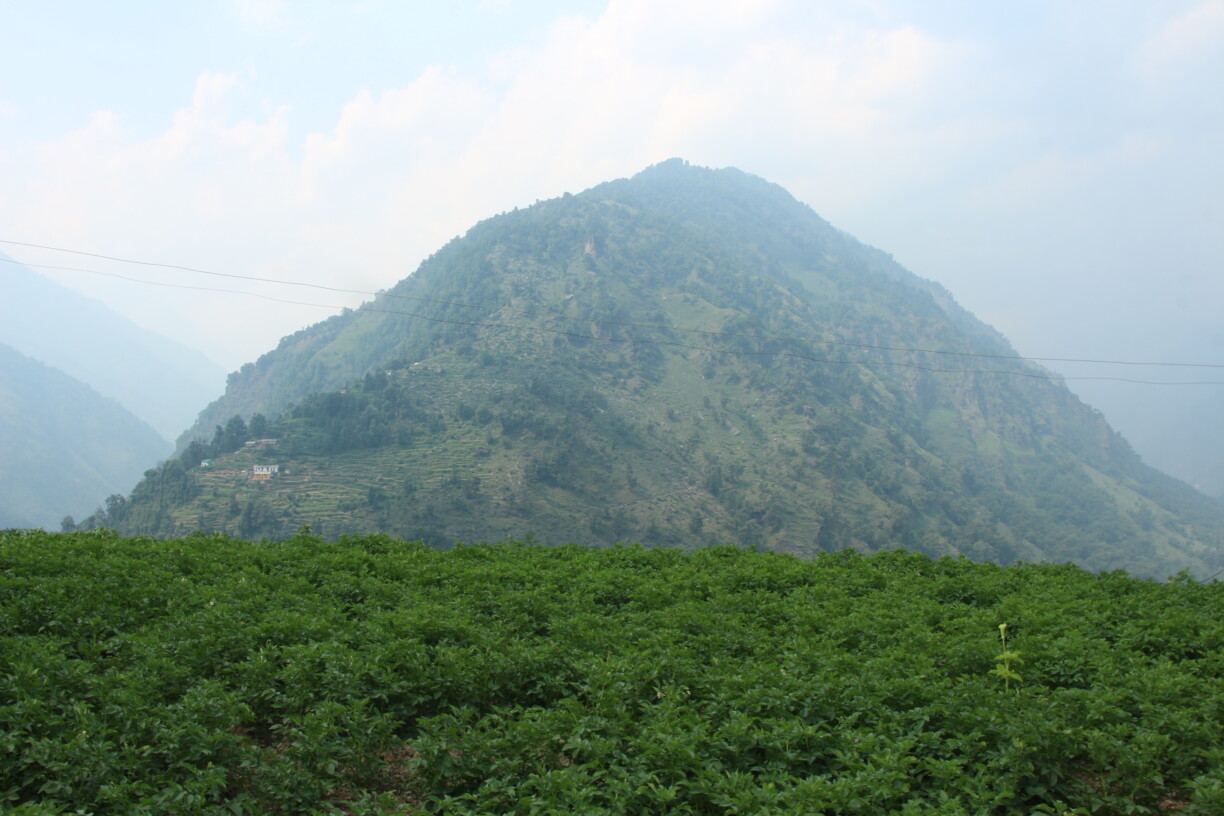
[207,674]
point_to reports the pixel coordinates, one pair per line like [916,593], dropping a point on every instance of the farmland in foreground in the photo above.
[207,674]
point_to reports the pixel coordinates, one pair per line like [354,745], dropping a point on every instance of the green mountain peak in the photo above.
[686,357]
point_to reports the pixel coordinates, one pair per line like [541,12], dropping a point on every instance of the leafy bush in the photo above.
[371,675]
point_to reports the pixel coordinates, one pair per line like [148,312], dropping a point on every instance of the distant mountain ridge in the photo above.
[1184,438]
[64,448]
[156,378]
[688,356]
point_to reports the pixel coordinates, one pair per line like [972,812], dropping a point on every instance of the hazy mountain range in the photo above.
[63,447]
[1190,443]
[685,357]
[156,378]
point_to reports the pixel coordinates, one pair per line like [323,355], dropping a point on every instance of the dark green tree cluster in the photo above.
[380,409]
[226,439]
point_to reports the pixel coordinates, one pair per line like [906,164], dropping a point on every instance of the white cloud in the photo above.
[267,15]
[1184,40]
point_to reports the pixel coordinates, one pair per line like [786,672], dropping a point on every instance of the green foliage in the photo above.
[371,675]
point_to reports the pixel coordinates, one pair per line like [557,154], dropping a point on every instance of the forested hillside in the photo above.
[686,357]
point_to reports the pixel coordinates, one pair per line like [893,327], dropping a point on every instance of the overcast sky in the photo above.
[1057,165]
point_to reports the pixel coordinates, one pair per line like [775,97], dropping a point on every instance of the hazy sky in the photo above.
[1059,166]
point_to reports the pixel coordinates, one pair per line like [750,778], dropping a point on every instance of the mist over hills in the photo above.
[64,448]
[686,357]
[1182,436]
[156,378]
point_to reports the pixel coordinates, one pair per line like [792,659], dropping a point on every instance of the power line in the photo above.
[584,319]
[643,341]
[560,316]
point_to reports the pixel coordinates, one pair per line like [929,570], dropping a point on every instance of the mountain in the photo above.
[1190,443]
[64,448]
[1180,434]
[686,357]
[156,378]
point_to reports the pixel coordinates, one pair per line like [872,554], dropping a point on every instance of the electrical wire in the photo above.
[636,341]
[558,315]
